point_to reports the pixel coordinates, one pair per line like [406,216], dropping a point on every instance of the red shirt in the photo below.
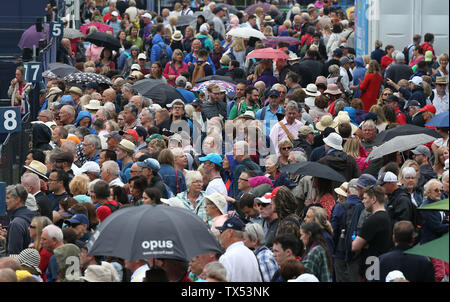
[385,62]
[45,259]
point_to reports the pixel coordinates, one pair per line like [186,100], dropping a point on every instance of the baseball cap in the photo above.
[113,134]
[176,101]
[78,219]
[273,194]
[92,85]
[181,81]
[392,98]
[147,15]
[212,157]
[90,167]
[344,60]
[338,52]
[263,199]
[416,81]
[366,180]
[386,177]
[131,132]
[233,223]
[141,131]
[422,150]
[115,14]
[429,108]
[197,102]
[413,103]
[150,163]
[142,56]
[135,67]
[274,92]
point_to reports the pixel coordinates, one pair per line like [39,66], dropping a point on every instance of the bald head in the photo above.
[45,116]
[11,263]
[109,95]
[138,101]
[7,275]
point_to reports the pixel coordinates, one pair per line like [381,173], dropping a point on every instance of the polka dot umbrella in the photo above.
[83,78]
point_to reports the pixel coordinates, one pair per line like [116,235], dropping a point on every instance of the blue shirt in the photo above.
[269,116]
[190,58]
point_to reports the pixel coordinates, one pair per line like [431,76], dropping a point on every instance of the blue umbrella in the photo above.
[439,120]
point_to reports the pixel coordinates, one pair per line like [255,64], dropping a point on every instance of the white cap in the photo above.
[154,107]
[395,275]
[204,27]
[135,67]
[91,167]
[147,15]
[416,80]
[387,177]
[176,101]
[115,14]
[334,140]
[263,200]
[142,56]
[305,278]
[173,202]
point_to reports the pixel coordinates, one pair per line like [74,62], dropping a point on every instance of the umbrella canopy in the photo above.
[437,248]
[314,169]
[273,41]
[267,53]
[61,70]
[265,6]
[441,205]
[104,40]
[439,120]
[246,33]
[407,129]
[400,144]
[185,20]
[153,231]
[31,37]
[218,78]
[83,78]
[160,92]
[230,8]
[100,26]
[49,74]
[71,33]
[201,87]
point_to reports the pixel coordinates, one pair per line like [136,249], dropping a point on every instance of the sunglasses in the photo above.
[438,190]
[260,204]
[286,148]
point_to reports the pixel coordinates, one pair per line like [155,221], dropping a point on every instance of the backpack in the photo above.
[163,57]
[406,52]
[351,220]
[199,72]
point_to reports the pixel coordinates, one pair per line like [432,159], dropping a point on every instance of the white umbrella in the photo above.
[400,144]
[246,32]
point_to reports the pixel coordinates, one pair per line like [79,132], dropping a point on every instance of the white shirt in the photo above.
[216,185]
[116,182]
[139,274]
[441,104]
[240,263]
[345,79]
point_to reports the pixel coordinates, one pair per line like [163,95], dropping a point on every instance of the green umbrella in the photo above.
[441,205]
[437,248]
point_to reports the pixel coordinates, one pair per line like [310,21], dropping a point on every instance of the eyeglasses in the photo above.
[260,204]
[387,94]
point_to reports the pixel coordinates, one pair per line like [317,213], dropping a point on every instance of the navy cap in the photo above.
[274,93]
[233,223]
[371,116]
[78,219]
[366,180]
[197,102]
[92,85]
[391,98]
[141,131]
[413,103]
[338,52]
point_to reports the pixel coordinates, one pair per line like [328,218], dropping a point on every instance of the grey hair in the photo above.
[70,128]
[285,141]
[112,166]
[17,191]
[177,151]
[427,186]
[92,184]
[352,187]
[408,171]
[370,123]
[132,108]
[93,139]
[191,176]
[217,271]
[54,232]
[32,180]
[255,231]
[277,85]
[108,107]
[333,69]
[305,16]
[127,87]
[271,160]
[69,109]
[291,105]
[299,156]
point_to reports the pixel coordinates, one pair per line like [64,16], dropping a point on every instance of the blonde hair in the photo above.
[173,20]
[268,31]
[40,222]
[439,151]
[79,185]
[189,109]
[287,24]
[352,147]
[366,59]
[374,67]
[177,52]
[378,110]
[259,11]
[320,217]
[238,44]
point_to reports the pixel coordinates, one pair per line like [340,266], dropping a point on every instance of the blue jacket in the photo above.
[158,43]
[358,75]
[18,236]
[377,54]
[433,227]
[123,58]
[190,58]
[80,116]
[168,175]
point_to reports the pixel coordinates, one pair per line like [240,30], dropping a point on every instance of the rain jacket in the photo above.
[41,137]
[358,75]
[18,236]
[158,43]
[82,115]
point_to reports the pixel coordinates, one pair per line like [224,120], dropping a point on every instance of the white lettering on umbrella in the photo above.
[153,244]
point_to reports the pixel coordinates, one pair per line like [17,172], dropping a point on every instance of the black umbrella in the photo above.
[231,9]
[314,169]
[160,92]
[61,70]
[408,129]
[83,78]
[153,231]
[104,40]
[217,78]
[185,20]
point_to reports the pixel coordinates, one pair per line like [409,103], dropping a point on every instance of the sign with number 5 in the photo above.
[10,119]
[56,29]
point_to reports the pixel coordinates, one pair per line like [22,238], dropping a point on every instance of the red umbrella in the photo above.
[267,53]
[100,26]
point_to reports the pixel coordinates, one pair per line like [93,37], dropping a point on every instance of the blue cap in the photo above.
[366,180]
[67,100]
[233,223]
[149,163]
[78,219]
[212,157]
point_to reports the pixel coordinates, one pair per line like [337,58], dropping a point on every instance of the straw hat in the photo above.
[38,168]
[268,19]
[93,105]
[126,145]
[342,118]
[326,121]
[441,81]
[177,36]
[76,90]
[342,190]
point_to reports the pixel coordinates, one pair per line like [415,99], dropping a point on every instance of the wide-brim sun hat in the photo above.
[325,122]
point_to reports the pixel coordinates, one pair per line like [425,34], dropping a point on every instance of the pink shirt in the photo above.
[94,52]
[277,133]
[218,222]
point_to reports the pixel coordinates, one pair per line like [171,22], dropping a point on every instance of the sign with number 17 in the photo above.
[10,119]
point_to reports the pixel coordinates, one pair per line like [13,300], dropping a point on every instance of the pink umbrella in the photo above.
[267,53]
[31,37]
[101,27]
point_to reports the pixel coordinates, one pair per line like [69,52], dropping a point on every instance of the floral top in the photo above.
[327,202]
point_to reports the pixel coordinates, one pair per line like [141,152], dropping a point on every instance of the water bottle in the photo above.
[354,236]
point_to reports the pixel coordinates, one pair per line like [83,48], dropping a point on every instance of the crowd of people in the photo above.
[226,156]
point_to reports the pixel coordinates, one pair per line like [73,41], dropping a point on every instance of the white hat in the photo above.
[135,67]
[263,200]
[343,118]
[176,101]
[305,278]
[93,105]
[115,14]
[154,107]
[310,102]
[100,273]
[293,57]
[395,275]
[334,140]
[142,56]
[342,190]
[219,201]
[204,27]
[91,167]
[173,202]
[147,15]
[387,177]
[249,114]
[416,81]
[311,90]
